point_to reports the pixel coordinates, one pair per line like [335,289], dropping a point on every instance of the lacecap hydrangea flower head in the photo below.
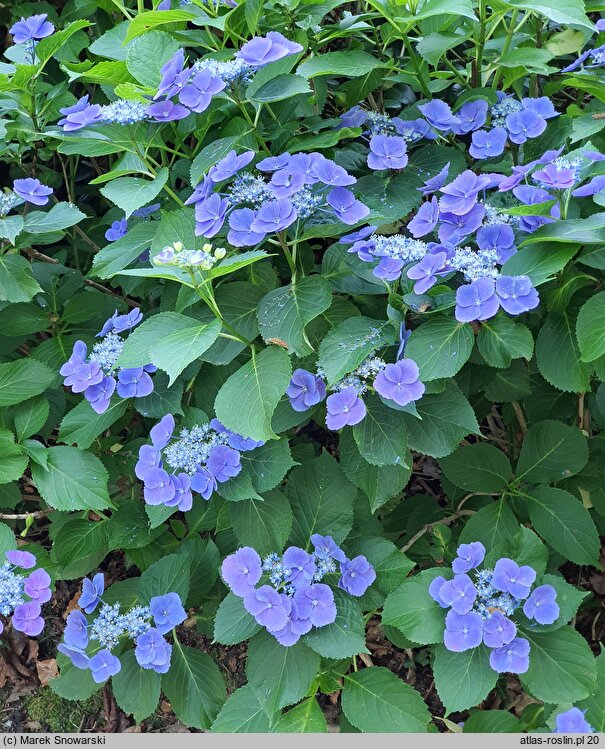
[292,599]
[199,459]
[482,606]
[22,595]
[98,375]
[88,642]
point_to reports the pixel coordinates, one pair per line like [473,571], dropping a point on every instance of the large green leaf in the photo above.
[306,717]
[558,355]
[493,524]
[265,525]
[595,704]
[74,480]
[321,498]
[551,451]
[492,721]
[131,193]
[168,575]
[377,701]
[136,689]
[115,256]
[463,679]
[61,216]
[539,261]
[582,231]
[440,347]
[182,346]
[477,468]
[445,418]
[243,712]
[564,12]
[30,416]
[562,667]
[563,521]
[13,461]
[194,686]
[501,340]
[348,344]
[281,87]
[382,437]
[248,399]
[590,328]
[411,609]
[144,22]
[281,676]
[147,54]
[81,426]
[284,312]
[22,379]
[16,281]
[233,624]
[79,546]
[351,63]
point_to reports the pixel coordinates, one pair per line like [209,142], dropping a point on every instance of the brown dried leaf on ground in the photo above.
[47,670]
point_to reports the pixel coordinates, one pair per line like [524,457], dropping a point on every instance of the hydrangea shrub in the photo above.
[302,358]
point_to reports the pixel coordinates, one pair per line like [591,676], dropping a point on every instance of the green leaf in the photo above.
[168,575]
[61,216]
[16,281]
[321,498]
[75,480]
[144,22]
[595,704]
[492,721]
[551,451]
[558,355]
[438,8]
[281,676]
[382,437]
[390,565]
[247,400]
[539,261]
[265,525]
[564,523]
[343,638]
[7,539]
[182,346]
[582,231]
[115,256]
[47,48]
[590,328]
[564,12]
[440,347]
[22,379]
[131,193]
[281,87]
[493,524]
[411,610]
[268,464]
[501,340]
[81,426]
[531,58]
[233,624]
[79,547]
[351,64]
[13,461]
[136,689]
[73,683]
[194,686]
[242,713]
[147,55]
[562,667]
[379,483]
[348,344]
[377,701]
[445,419]
[463,679]
[477,468]
[30,416]
[11,227]
[306,717]
[285,312]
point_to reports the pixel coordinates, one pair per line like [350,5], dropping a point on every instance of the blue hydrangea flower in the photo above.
[523,125]
[260,51]
[512,658]
[103,665]
[37,586]
[387,152]
[92,590]
[400,382]
[516,294]
[469,556]
[242,570]
[117,230]
[541,605]
[167,612]
[498,630]
[33,28]
[459,593]
[439,115]
[23,559]
[79,115]
[167,111]
[300,567]
[326,548]
[327,171]
[230,165]
[434,588]
[347,208]
[344,408]
[27,619]
[471,115]
[476,301]
[461,194]
[210,215]
[488,143]
[357,575]
[316,604]
[21,596]
[32,191]
[153,652]
[425,220]
[573,721]
[173,77]
[462,631]
[268,607]
[426,272]
[509,577]
[433,184]
[75,633]
[223,462]
[274,216]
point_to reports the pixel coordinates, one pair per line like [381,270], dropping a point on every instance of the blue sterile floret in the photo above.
[294,599]
[22,595]
[482,607]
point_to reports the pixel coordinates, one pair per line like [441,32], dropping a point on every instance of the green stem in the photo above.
[506,47]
